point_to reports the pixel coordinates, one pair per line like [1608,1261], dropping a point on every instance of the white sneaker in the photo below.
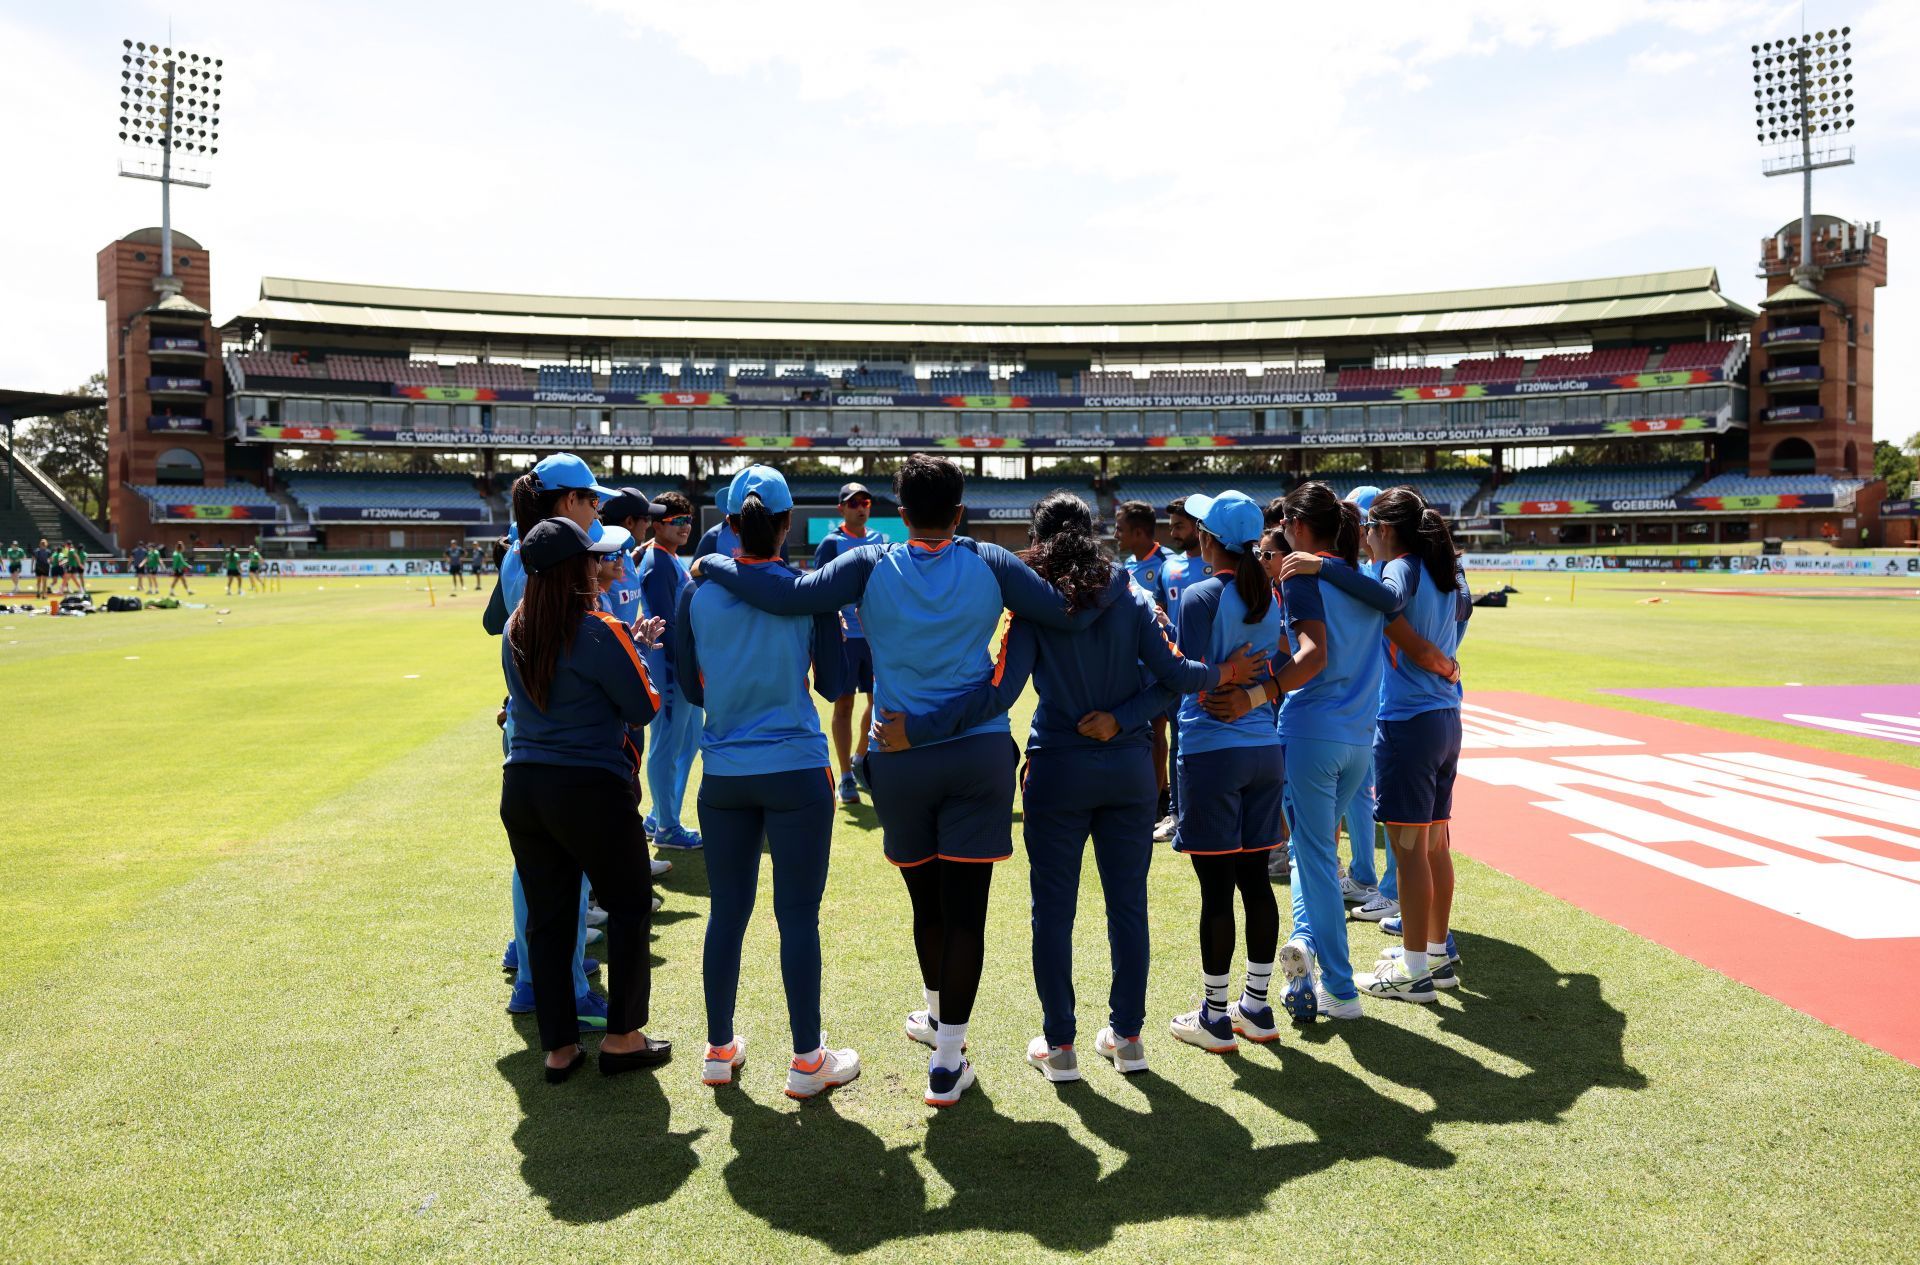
[595,935]
[1376,908]
[1164,828]
[944,1087]
[722,1060]
[1356,893]
[1392,980]
[1296,960]
[1333,1008]
[658,901]
[1127,1056]
[829,1068]
[661,866]
[596,916]
[1215,1036]
[1058,1063]
[1250,1025]
[921,1028]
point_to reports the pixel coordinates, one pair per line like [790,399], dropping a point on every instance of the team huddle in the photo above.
[1299,655]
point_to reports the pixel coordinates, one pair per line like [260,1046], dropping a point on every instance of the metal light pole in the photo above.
[169,101]
[1803,107]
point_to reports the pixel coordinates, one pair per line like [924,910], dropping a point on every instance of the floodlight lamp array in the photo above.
[1803,87]
[169,98]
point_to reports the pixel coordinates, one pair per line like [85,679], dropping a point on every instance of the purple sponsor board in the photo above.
[1888,712]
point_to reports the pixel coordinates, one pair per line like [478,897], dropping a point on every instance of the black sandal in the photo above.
[654,1053]
[557,1075]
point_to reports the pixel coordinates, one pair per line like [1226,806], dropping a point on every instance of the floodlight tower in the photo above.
[1803,108]
[169,102]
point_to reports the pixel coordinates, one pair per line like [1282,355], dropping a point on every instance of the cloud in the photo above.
[1663,61]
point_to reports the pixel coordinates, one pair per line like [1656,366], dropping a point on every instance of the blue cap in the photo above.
[609,540]
[1363,495]
[564,470]
[1231,518]
[765,481]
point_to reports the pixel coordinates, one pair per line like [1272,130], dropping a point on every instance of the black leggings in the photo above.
[950,929]
[1219,875]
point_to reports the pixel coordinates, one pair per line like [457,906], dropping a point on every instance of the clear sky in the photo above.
[993,151]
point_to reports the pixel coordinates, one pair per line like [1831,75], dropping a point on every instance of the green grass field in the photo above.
[256,892]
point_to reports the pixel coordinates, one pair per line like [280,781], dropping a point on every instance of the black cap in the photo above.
[551,542]
[851,490]
[630,503]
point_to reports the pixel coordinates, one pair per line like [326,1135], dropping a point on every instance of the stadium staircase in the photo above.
[42,510]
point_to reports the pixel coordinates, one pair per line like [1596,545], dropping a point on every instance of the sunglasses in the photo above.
[678,520]
[1266,555]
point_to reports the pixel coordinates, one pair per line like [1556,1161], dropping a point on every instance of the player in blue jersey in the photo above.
[1146,561]
[929,607]
[1088,769]
[1417,744]
[674,738]
[575,684]
[765,780]
[856,506]
[1183,565]
[1230,775]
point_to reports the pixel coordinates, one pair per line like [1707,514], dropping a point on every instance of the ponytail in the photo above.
[1249,577]
[1422,531]
[531,502]
[1333,522]
[758,527]
[1065,552]
[1346,541]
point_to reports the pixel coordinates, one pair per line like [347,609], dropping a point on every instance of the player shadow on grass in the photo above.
[1555,1039]
[583,1183]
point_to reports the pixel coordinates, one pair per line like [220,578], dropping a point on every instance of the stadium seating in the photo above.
[496,377]
[311,489]
[1451,488]
[274,364]
[1378,379]
[188,494]
[1596,483]
[867,378]
[1158,489]
[639,379]
[1841,489]
[1609,362]
[1498,369]
[984,495]
[1683,356]
[1034,382]
[565,378]
[960,382]
[1197,382]
[709,379]
[407,373]
[1282,380]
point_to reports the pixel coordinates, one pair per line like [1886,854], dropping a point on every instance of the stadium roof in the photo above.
[480,316]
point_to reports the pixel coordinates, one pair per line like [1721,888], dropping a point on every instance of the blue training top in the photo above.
[719,539]
[1213,624]
[758,720]
[837,542]
[1174,575]
[929,609]
[622,598]
[662,578]
[1404,588]
[1098,670]
[1150,573]
[1341,702]
[599,688]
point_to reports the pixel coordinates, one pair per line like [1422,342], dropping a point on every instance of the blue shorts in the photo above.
[1230,800]
[952,800]
[1414,765]
[859,666]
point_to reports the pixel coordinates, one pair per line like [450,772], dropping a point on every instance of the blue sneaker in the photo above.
[649,825]
[849,789]
[521,1002]
[1390,926]
[590,966]
[591,1010]
[510,960]
[678,838]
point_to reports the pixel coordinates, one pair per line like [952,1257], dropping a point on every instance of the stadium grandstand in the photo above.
[1645,408]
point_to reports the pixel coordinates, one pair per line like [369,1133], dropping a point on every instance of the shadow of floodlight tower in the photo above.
[169,116]
[1803,113]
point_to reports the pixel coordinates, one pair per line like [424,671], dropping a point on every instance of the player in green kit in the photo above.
[16,558]
[77,568]
[255,582]
[178,562]
[230,562]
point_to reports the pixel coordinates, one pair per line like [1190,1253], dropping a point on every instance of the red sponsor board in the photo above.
[1792,870]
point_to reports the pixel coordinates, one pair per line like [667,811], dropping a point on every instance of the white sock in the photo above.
[1216,987]
[933,1003]
[948,1044]
[1254,994]
[1416,963]
[1436,950]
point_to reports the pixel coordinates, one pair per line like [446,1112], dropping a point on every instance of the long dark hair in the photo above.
[1066,553]
[1421,531]
[1249,578]
[542,627]
[758,527]
[1328,517]
[531,502]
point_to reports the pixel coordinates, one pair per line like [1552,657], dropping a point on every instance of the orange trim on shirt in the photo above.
[932,546]
[1000,656]
[625,641]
